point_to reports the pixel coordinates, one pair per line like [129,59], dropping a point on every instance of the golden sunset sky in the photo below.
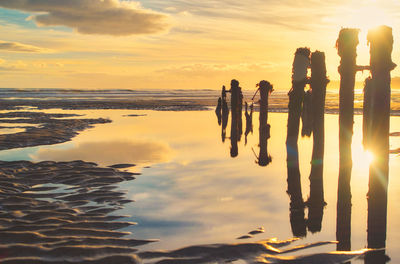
[176,44]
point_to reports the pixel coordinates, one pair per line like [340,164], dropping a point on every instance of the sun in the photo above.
[365,15]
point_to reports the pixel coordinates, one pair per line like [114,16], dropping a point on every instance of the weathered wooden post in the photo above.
[367,112]
[347,50]
[318,83]
[381,46]
[240,111]
[307,115]
[301,64]
[235,100]
[264,129]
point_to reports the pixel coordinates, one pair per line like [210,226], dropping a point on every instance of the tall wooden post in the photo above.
[265,89]
[347,50]
[381,46]
[367,112]
[318,82]
[235,100]
[301,64]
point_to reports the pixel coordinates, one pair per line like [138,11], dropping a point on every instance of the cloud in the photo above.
[19,47]
[206,69]
[16,66]
[9,68]
[106,17]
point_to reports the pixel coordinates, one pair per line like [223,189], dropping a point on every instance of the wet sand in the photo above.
[61,212]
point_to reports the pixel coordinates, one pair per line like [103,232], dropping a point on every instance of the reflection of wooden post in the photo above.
[347,50]
[218,111]
[299,80]
[381,45]
[319,82]
[265,89]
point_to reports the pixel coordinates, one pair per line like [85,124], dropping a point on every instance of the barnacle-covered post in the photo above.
[381,46]
[318,83]
[347,50]
[265,89]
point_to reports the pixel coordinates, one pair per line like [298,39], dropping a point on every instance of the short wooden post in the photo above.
[318,83]
[264,129]
[347,50]
[381,46]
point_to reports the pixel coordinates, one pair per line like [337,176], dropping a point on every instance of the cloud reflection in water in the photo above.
[111,152]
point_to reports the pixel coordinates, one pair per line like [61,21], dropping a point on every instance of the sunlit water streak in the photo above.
[196,193]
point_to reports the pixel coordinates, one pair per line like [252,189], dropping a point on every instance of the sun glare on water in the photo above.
[362,159]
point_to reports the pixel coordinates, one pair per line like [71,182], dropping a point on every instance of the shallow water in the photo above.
[195,193]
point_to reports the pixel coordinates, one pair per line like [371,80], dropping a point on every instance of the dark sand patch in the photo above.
[51,129]
[122,166]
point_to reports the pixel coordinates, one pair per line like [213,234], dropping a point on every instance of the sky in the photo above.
[176,44]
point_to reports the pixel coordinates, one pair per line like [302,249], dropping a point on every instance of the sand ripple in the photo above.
[61,212]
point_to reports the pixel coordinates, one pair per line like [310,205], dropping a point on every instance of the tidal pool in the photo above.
[192,191]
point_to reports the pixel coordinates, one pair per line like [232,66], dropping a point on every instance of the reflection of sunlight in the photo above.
[362,159]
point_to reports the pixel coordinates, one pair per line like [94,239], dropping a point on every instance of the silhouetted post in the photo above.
[218,110]
[307,115]
[235,100]
[240,110]
[318,83]
[301,64]
[264,130]
[299,80]
[381,46]
[367,112]
[347,50]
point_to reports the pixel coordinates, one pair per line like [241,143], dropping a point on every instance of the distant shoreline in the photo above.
[160,100]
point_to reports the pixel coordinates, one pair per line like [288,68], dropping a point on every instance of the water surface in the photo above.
[192,192]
